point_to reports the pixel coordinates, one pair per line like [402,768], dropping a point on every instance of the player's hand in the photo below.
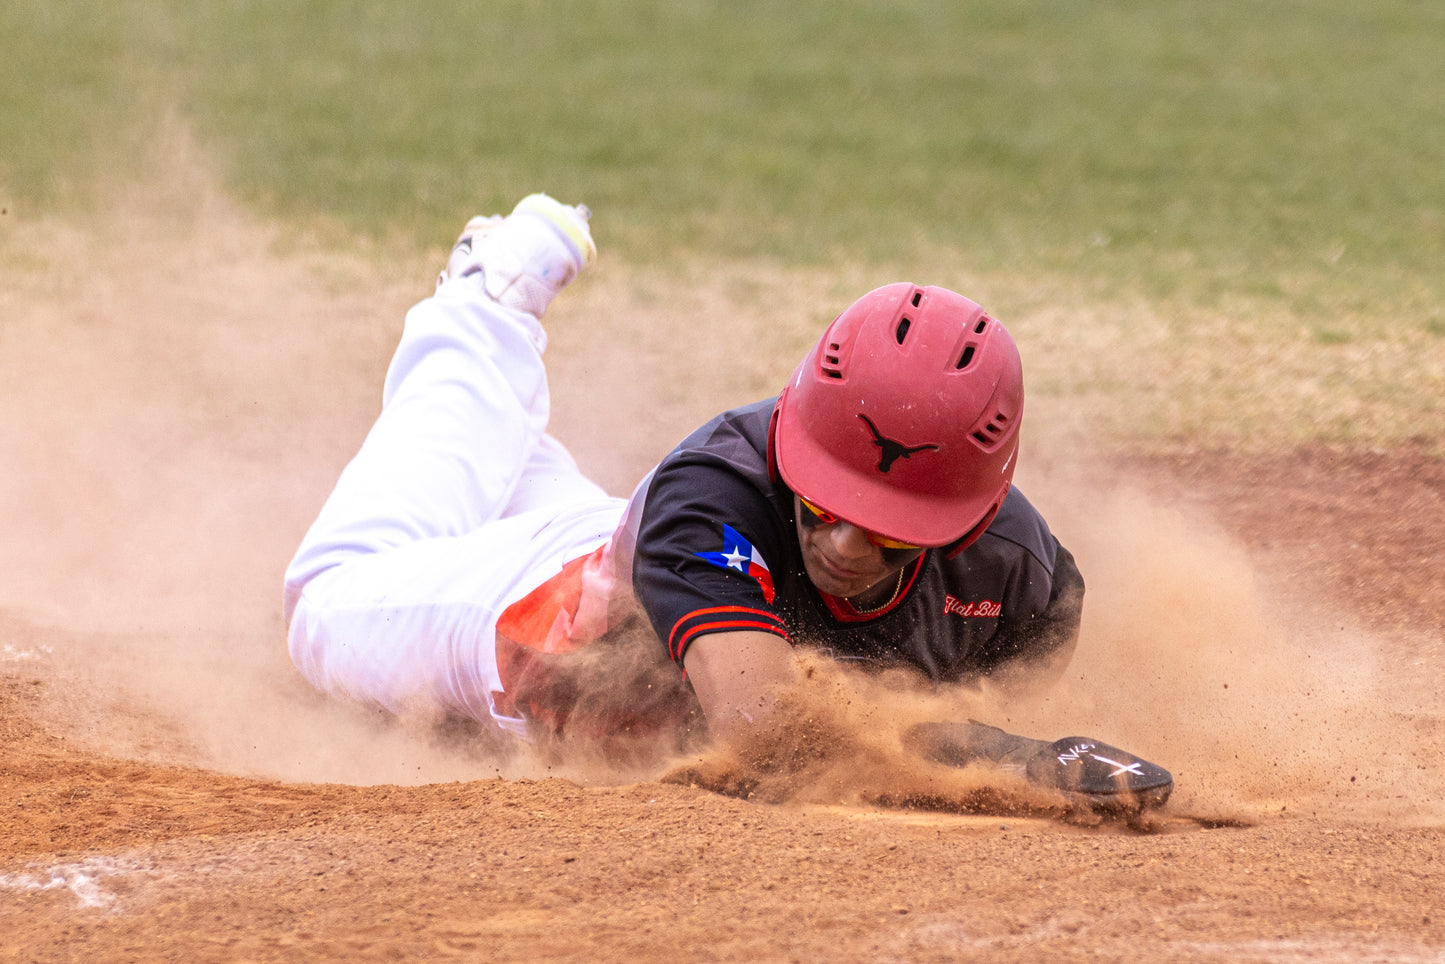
[1101,777]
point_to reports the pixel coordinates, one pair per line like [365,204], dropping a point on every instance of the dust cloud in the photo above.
[1257,699]
[181,386]
[178,396]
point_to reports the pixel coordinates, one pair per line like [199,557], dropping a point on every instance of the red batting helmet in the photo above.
[904,418]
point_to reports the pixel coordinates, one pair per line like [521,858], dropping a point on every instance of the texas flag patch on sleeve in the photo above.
[738,553]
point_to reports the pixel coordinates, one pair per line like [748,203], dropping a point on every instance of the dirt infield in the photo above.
[1267,627]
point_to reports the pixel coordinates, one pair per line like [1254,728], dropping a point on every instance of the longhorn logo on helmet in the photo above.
[891,450]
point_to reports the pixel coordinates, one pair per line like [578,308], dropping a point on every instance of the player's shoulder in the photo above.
[728,450]
[1020,528]
[719,471]
[722,464]
[738,436]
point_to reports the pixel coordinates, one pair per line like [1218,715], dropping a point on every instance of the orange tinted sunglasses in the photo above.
[827,518]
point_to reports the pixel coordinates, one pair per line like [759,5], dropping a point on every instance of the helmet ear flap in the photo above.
[773,437]
[971,536]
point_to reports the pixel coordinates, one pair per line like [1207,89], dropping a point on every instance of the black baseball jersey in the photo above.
[717,551]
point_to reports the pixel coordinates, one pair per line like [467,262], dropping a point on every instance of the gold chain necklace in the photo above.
[897,588]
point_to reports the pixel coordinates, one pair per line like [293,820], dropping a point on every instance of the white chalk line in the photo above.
[85,879]
[9,654]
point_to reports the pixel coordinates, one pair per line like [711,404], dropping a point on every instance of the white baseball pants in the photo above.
[458,504]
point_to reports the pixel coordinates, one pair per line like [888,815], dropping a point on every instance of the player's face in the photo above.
[842,559]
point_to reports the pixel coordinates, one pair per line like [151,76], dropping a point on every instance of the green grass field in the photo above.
[1221,221]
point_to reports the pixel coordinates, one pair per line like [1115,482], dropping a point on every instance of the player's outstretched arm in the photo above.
[742,678]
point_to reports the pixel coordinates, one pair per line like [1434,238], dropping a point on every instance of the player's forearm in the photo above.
[742,680]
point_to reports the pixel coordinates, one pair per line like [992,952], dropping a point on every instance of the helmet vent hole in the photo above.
[832,364]
[917,297]
[902,331]
[992,431]
[965,358]
[982,324]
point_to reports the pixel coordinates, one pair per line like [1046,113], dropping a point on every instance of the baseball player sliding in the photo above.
[464,565]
